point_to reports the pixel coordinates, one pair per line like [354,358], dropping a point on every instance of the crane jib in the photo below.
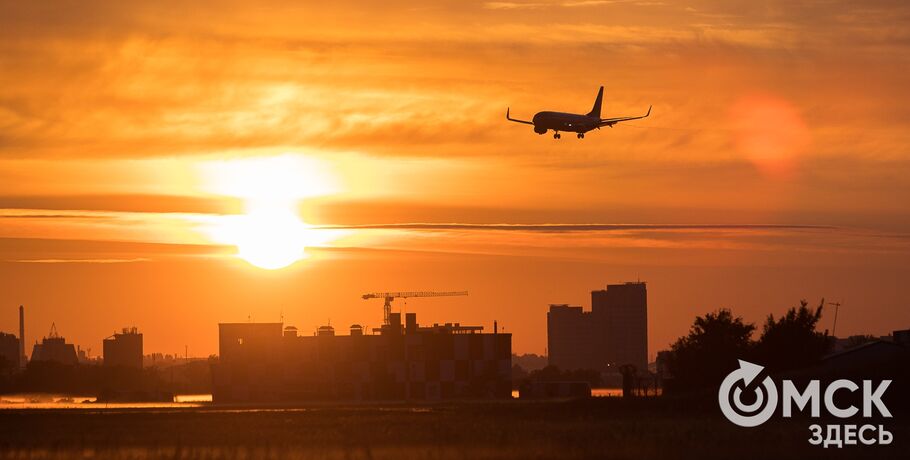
[390,296]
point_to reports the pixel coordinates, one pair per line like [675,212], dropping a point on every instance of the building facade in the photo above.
[54,349]
[262,362]
[9,351]
[612,334]
[124,349]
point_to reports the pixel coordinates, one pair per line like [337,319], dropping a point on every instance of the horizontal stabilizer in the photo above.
[516,120]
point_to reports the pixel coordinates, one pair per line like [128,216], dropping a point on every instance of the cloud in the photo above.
[603,242]
[80,261]
[118,203]
[91,84]
[563,228]
[537,5]
[100,249]
[102,80]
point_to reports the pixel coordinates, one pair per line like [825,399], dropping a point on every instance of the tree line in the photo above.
[717,340]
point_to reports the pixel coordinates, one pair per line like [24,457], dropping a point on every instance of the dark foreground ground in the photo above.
[600,428]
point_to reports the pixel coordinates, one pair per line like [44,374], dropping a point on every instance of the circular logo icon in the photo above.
[730,396]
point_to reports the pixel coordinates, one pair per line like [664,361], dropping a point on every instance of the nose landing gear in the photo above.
[556,136]
[581,135]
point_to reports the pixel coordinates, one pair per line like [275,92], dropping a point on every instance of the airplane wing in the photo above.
[612,121]
[515,120]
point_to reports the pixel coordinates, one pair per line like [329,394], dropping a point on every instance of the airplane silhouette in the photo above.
[573,122]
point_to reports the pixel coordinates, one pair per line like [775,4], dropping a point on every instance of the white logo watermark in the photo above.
[747,415]
[765,402]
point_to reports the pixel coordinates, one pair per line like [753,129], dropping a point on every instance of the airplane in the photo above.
[573,122]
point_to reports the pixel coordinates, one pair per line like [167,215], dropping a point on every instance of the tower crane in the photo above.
[53,334]
[390,296]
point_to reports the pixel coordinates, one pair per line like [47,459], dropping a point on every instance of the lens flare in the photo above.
[770,133]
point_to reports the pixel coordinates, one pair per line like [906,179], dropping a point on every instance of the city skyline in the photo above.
[314,325]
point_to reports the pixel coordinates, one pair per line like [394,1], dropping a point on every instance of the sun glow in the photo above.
[770,133]
[270,234]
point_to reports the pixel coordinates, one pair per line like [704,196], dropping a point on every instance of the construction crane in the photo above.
[389,296]
[53,334]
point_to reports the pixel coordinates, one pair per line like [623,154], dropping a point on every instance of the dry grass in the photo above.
[608,428]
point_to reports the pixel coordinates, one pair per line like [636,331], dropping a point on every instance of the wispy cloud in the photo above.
[109,82]
[116,202]
[558,228]
[536,5]
[144,83]
[79,261]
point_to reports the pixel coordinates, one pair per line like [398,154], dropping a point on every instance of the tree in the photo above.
[792,342]
[710,351]
[518,373]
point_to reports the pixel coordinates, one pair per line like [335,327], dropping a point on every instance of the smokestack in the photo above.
[21,336]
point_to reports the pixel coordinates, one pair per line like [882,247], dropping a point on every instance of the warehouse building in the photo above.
[266,362]
[124,349]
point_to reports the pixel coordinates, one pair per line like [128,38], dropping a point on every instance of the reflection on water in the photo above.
[193,398]
[602,392]
[48,401]
[595,392]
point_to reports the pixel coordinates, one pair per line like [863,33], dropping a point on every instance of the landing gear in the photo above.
[556,136]
[581,135]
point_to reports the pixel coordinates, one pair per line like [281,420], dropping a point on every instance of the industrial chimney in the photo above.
[22,360]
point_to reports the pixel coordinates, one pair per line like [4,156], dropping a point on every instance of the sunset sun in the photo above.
[269,234]
[269,238]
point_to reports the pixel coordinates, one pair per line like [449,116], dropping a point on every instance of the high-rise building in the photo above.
[124,349]
[612,334]
[572,342]
[623,309]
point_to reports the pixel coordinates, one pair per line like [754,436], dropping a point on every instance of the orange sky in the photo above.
[141,143]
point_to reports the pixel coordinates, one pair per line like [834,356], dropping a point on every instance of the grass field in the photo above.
[599,428]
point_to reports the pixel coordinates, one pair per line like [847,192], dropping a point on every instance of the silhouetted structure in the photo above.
[613,333]
[55,349]
[901,337]
[874,360]
[530,361]
[881,354]
[9,351]
[124,349]
[573,122]
[624,308]
[22,359]
[572,341]
[258,363]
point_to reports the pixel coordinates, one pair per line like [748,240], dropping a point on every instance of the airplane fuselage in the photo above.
[573,122]
[567,122]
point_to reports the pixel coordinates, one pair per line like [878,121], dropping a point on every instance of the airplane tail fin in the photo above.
[595,111]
